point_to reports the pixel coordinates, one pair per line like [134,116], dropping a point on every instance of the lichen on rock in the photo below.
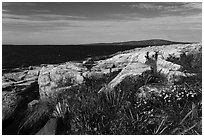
[52,78]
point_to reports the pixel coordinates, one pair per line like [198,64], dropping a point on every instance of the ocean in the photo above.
[14,56]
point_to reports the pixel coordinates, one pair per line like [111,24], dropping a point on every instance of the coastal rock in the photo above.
[10,102]
[51,78]
[33,73]
[118,61]
[7,85]
[15,76]
[95,75]
[88,63]
[131,70]
[32,104]
[17,91]
[19,80]
[151,60]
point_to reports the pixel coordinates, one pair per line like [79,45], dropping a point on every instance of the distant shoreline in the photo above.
[22,56]
[139,42]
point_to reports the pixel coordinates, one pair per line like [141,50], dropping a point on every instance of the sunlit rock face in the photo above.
[131,63]
[52,78]
[152,60]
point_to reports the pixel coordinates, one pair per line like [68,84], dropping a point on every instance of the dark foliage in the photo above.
[177,110]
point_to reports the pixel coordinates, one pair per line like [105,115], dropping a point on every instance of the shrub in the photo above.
[123,112]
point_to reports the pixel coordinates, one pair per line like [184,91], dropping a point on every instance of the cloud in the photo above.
[56,17]
[147,6]
[38,22]
[194,5]
[13,16]
[85,31]
[4,4]
[146,10]
[170,9]
[4,10]
[39,11]
[173,21]
[166,6]
[40,17]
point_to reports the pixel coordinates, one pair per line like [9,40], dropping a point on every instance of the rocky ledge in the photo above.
[146,70]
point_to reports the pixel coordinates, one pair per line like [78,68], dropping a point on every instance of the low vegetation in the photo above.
[121,112]
[177,110]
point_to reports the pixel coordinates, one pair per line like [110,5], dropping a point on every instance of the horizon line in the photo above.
[114,42]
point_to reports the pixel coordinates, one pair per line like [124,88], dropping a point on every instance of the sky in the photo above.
[60,23]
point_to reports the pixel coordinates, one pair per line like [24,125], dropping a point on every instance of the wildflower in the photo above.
[166,96]
[192,95]
[182,93]
[144,101]
[191,92]
[179,98]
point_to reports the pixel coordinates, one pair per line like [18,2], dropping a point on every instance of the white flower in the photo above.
[178,98]
[169,100]
[166,96]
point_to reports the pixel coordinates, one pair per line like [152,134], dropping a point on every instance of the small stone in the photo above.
[30,68]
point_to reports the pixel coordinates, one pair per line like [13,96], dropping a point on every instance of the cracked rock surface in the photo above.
[166,63]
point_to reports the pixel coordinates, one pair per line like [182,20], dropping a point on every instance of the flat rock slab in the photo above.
[135,62]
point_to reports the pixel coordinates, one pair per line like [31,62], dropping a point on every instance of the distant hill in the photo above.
[142,43]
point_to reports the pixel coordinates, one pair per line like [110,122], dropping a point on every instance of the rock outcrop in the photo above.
[133,69]
[51,79]
[152,60]
[18,88]
[10,102]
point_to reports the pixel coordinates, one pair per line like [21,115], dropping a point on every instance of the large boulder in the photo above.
[52,78]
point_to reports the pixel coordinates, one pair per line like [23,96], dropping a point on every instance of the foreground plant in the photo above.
[122,112]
